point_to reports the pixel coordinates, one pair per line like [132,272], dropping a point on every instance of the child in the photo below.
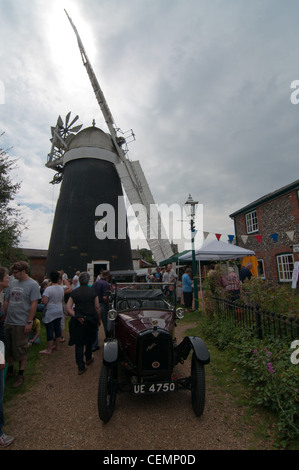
[34,337]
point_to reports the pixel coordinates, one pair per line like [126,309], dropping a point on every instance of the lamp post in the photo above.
[190,208]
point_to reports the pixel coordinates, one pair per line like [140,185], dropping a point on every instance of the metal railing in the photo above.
[264,322]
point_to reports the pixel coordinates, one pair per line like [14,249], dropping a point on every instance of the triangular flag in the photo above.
[259,238]
[218,235]
[230,238]
[244,238]
[206,234]
[290,234]
[274,236]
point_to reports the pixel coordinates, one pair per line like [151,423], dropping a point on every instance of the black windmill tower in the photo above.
[89,230]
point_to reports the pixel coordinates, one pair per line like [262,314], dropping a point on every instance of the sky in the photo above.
[205,85]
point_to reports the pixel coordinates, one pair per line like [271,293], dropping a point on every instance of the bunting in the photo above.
[290,234]
[274,236]
[244,238]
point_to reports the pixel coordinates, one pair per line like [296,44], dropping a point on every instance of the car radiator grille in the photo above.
[154,353]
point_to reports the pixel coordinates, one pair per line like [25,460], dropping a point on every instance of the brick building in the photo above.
[37,260]
[270,227]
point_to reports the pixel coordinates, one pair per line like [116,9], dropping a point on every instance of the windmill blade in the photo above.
[65,129]
[59,122]
[61,134]
[67,119]
[73,121]
[76,128]
[150,219]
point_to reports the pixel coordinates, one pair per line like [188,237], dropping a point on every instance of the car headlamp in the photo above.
[179,313]
[112,314]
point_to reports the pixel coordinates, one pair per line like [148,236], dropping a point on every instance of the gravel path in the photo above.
[60,412]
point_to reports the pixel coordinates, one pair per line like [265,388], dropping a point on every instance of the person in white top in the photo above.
[52,298]
[170,276]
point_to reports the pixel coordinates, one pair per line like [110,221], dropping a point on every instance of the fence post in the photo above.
[258,322]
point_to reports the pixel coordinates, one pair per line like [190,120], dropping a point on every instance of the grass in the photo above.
[33,370]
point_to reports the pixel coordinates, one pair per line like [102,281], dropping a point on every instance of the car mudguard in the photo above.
[110,328]
[110,352]
[200,349]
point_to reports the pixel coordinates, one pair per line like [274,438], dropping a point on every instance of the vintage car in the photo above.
[141,353]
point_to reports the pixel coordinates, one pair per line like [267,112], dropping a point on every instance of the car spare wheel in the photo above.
[107,392]
[198,387]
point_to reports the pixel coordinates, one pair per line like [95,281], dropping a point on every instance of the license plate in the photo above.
[157,387]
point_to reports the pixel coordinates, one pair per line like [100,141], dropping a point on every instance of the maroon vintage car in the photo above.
[140,350]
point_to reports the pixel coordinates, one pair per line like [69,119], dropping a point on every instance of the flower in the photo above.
[270,368]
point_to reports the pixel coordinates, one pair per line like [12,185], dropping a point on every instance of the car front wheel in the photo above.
[107,392]
[198,387]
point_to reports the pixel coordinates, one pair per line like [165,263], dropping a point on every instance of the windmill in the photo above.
[130,173]
[93,169]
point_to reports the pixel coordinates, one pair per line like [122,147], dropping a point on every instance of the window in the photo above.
[285,265]
[251,222]
[261,269]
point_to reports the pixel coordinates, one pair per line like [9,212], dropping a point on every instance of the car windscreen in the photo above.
[149,294]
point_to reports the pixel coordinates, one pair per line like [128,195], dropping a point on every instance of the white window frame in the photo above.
[285,267]
[251,222]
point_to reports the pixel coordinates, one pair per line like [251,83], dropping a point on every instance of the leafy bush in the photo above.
[213,287]
[273,382]
[268,295]
[271,296]
[266,368]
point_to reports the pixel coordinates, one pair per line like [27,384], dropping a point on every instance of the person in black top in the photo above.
[245,272]
[84,308]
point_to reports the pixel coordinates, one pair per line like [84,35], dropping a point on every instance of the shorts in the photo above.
[17,342]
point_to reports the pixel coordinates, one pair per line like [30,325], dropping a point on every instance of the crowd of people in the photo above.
[21,297]
[165,275]
[233,280]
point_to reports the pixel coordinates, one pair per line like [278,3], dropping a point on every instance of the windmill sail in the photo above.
[149,219]
[131,174]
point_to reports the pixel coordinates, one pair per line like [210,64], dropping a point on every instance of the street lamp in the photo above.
[190,208]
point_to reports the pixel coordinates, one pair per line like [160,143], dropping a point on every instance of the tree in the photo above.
[147,255]
[11,222]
